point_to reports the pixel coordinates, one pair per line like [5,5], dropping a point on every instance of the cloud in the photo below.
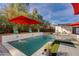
[55,12]
[3,5]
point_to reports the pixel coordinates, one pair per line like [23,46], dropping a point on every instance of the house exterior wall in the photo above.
[77,30]
[63,29]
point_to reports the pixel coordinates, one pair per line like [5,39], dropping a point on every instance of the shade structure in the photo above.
[76,24]
[24,20]
[75,8]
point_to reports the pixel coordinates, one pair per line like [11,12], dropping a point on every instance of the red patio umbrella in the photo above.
[74,24]
[24,20]
[76,8]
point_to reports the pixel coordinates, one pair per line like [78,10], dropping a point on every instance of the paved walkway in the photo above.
[3,51]
[65,50]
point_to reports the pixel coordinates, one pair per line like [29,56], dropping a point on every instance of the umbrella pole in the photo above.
[15,31]
[30,30]
[38,29]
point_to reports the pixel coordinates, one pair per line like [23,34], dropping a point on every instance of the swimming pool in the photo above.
[32,44]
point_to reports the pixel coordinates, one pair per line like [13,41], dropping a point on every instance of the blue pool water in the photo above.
[31,45]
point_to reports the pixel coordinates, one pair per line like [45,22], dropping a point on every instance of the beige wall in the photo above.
[63,29]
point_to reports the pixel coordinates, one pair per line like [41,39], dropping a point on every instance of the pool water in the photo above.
[31,45]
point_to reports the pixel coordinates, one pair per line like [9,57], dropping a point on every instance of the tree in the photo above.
[36,15]
[21,9]
[13,10]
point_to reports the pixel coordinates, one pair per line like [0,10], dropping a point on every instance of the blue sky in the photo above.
[3,5]
[55,13]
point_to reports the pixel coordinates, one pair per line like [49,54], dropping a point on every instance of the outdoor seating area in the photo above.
[26,30]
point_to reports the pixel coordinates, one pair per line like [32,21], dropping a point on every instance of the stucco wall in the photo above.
[63,29]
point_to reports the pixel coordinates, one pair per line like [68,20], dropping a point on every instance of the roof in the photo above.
[75,24]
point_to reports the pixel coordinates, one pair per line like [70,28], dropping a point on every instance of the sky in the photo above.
[55,13]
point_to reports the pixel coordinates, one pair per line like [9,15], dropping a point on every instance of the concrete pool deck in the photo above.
[65,50]
[15,52]
[4,51]
[12,37]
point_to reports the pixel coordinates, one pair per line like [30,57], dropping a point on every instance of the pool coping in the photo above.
[15,52]
[41,50]
[12,50]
